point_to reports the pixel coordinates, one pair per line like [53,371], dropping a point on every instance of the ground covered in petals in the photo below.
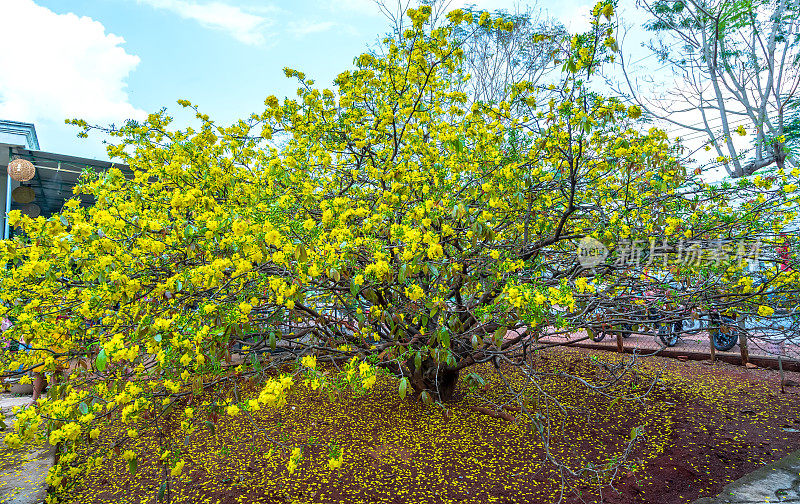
[700,427]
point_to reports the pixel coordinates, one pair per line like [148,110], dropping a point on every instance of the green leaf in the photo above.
[475,378]
[102,360]
[334,274]
[403,387]
[272,341]
[84,408]
[444,337]
[418,361]
[132,465]
[499,334]
[162,490]
[426,397]
[301,254]
[571,66]
[157,337]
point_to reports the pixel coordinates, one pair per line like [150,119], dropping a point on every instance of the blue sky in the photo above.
[106,60]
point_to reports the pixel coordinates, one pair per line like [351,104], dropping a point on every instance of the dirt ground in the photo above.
[701,426]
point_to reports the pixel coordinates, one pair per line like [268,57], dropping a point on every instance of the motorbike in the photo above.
[668,324]
[722,329]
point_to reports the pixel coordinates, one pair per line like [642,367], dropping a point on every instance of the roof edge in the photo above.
[28,130]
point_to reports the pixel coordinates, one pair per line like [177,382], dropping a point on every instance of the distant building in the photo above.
[51,186]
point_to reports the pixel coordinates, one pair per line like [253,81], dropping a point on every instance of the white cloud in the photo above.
[371,7]
[246,27]
[363,7]
[58,66]
[576,16]
[573,13]
[301,29]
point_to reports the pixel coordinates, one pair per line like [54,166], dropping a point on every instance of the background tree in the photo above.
[735,64]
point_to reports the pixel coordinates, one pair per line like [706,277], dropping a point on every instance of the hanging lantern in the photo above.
[32,210]
[21,170]
[23,194]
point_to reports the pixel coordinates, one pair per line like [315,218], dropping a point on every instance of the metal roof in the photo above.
[56,175]
[53,159]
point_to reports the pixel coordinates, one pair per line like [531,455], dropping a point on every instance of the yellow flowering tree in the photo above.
[392,223]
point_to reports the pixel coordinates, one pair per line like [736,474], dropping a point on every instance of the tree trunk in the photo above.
[439,380]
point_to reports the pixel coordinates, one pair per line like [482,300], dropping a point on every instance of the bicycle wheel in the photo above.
[597,334]
[667,334]
[724,333]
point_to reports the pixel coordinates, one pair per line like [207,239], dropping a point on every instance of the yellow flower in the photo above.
[239,228]
[335,463]
[233,410]
[178,469]
[765,311]
[435,251]
[185,359]
[414,292]
[309,361]
[369,382]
